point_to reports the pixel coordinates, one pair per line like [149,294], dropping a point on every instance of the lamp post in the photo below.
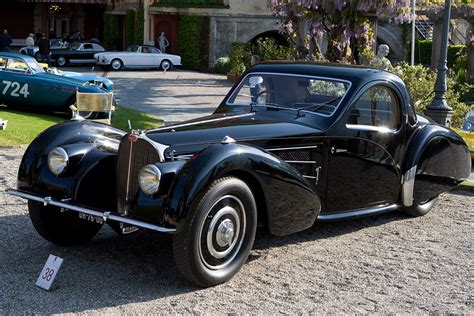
[438,109]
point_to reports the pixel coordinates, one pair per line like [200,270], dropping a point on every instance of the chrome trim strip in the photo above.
[356,213]
[310,177]
[298,161]
[160,148]
[104,215]
[127,190]
[292,148]
[201,122]
[293,75]
[408,186]
[380,129]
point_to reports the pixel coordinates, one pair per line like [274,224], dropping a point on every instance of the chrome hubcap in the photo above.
[225,233]
[116,64]
[222,232]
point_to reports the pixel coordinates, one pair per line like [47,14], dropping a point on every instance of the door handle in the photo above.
[335,150]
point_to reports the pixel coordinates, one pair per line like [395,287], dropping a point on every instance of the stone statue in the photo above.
[380,61]
[163,42]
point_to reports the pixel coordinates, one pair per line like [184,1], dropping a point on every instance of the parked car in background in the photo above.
[467,131]
[137,57]
[290,144]
[55,44]
[24,83]
[76,53]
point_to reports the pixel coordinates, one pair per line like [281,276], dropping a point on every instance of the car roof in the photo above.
[14,55]
[325,70]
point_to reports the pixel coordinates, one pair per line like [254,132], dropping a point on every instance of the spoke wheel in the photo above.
[214,240]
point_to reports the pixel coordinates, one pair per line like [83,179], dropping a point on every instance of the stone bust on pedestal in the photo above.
[380,60]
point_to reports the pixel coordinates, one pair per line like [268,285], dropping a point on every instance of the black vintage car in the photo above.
[76,53]
[290,144]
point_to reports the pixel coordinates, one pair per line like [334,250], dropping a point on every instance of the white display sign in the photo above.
[49,272]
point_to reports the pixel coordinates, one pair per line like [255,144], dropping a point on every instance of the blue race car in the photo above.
[24,83]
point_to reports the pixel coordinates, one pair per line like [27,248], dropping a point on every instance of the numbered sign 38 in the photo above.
[49,272]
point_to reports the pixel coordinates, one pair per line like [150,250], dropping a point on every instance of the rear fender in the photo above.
[291,203]
[437,160]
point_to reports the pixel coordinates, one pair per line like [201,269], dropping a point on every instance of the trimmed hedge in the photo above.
[139,27]
[193,41]
[423,52]
[111,31]
[130,27]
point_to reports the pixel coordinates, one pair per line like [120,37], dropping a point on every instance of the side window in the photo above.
[3,63]
[377,107]
[15,65]
[87,47]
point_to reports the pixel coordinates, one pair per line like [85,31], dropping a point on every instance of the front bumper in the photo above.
[112,216]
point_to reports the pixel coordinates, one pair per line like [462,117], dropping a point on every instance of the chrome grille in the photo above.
[132,157]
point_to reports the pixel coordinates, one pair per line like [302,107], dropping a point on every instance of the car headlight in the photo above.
[58,160]
[149,179]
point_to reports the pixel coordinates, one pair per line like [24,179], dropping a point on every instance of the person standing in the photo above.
[5,41]
[30,43]
[45,49]
[163,42]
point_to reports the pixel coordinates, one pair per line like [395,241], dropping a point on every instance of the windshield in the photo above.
[133,48]
[468,124]
[317,95]
[34,66]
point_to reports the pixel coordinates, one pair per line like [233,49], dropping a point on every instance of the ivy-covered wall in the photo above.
[130,27]
[193,41]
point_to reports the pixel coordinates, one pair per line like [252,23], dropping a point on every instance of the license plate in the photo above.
[91,218]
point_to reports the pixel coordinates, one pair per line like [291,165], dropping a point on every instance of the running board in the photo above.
[104,215]
[363,212]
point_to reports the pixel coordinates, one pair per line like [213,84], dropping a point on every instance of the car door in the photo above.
[364,154]
[14,86]
[85,53]
[144,57]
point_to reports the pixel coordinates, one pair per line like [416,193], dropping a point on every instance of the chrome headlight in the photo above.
[58,160]
[149,179]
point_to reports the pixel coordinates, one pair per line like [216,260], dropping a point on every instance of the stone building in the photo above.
[63,17]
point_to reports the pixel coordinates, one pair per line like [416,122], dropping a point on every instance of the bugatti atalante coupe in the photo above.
[291,144]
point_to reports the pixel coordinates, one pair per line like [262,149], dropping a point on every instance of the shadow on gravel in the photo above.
[113,270]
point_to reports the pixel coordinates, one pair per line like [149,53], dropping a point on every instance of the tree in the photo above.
[347,24]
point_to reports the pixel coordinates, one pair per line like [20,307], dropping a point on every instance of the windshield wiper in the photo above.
[314,106]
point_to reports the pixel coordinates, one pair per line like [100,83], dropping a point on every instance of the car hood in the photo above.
[87,78]
[63,79]
[257,128]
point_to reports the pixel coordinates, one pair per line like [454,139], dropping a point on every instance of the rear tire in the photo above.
[214,240]
[61,228]
[61,61]
[420,209]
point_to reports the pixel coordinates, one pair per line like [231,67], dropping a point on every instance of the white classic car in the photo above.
[138,57]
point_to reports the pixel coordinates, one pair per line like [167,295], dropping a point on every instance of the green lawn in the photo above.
[24,126]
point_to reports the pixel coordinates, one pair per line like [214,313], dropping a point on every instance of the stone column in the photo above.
[470,51]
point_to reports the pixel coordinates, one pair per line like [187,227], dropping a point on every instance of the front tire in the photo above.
[61,228]
[215,239]
[420,209]
[116,64]
[166,65]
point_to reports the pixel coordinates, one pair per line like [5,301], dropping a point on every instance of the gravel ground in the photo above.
[382,264]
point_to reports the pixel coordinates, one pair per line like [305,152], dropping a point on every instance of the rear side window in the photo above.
[87,47]
[377,107]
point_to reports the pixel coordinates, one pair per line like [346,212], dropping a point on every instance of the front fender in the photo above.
[437,160]
[291,203]
[92,149]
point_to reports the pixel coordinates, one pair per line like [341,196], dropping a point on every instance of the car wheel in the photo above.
[61,61]
[166,65]
[116,64]
[61,228]
[420,209]
[215,239]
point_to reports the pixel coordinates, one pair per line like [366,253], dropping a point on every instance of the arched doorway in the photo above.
[168,24]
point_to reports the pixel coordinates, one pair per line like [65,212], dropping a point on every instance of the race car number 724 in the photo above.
[16,89]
